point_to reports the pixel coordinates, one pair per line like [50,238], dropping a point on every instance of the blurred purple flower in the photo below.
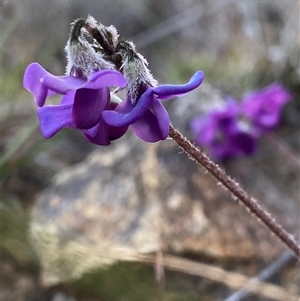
[223,134]
[82,103]
[233,130]
[263,107]
[87,105]
[147,117]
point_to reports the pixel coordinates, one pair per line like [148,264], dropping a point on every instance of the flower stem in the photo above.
[252,204]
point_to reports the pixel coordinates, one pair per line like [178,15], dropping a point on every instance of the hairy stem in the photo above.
[265,217]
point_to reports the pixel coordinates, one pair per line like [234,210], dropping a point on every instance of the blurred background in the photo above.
[240,46]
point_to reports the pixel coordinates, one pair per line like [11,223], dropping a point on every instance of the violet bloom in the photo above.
[147,117]
[86,105]
[82,103]
[263,107]
[223,133]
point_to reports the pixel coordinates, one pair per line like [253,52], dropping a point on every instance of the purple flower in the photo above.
[232,131]
[82,103]
[223,133]
[147,117]
[87,105]
[263,107]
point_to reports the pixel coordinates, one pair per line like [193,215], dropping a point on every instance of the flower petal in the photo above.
[123,107]
[196,124]
[54,118]
[268,121]
[88,106]
[62,84]
[68,98]
[103,133]
[92,132]
[116,132]
[106,78]
[118,119]
[207,132]
[101,137]
[244,142]
[100,79]
[146,128]
[170,91]
[32,82]
[263,107]
[153,127]
[222,151]
[163,118]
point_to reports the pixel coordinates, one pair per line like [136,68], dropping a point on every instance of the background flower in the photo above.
[263,107]
[223,134]
[234,129]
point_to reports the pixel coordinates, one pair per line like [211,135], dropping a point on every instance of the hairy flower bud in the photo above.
[107,37]
[83,60]
[124,56]
[134,68]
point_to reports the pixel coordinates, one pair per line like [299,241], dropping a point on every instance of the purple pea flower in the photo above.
[81,105]
[223,133]
[263,107]
[86,105]
[147,117]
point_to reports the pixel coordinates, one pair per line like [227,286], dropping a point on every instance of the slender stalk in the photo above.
[252,204]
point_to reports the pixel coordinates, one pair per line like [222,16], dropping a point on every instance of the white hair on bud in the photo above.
[82,59]
[114,34]
[136,72]
[91,21]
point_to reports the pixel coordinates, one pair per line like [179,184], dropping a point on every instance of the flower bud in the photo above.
[83,59]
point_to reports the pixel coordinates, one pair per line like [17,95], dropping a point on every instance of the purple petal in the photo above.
[196,124]
[204,129]
[244,142]
[124,107]
[233,145]
[207,133]
[162,118]
[32,82]
[279,94]
[104,133]
[146,128]
[227,124]
[54,118]
[271,99]
[222,151]
[88,106]
[92,132]
[68,98]
[100,79]
[118,119]
[101,137]
[268,121]
[116,132]
[169,91]
[153,127]
[62,84]
[106,78]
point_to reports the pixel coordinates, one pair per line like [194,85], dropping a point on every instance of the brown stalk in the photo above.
[250,203]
